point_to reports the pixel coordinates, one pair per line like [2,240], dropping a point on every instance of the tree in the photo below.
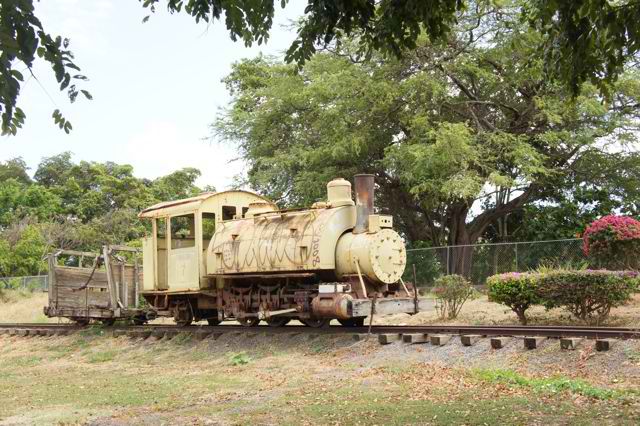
[585,40]
[445,129]
[23,37]
[14,168]
[176,185]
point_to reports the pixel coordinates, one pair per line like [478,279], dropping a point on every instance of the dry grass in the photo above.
[299,380]
[19,306]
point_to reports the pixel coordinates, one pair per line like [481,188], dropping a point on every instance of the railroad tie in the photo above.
[359,336]
[415,338]
[385,339]
[470,339]
[603,345]
[439,339]
[570,343]
[533,342]
[500,342]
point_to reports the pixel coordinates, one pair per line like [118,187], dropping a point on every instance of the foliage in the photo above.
[451,291]
[72,205]
[460,135]
[515,290]
[550,385]
[585,40]
[24,38]
[613,242]
[588,294]
[240,358]
[581,41]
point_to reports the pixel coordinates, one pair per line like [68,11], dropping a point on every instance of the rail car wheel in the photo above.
[278,321]
[316,322]
[82,322]
[213,321]
[352,322]
[182,314]
[108,322]
[249,321]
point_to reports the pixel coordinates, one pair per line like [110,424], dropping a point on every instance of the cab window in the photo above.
[208,227]
[183,231]
[228,212]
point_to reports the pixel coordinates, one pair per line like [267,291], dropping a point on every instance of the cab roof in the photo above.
[167,208]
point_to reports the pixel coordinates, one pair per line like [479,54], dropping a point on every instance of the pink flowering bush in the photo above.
[613,242]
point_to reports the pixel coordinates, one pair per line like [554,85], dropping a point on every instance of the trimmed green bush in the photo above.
[451,291]
[588,294]
[515,290]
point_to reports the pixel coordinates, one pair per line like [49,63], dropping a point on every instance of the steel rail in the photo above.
[483,330]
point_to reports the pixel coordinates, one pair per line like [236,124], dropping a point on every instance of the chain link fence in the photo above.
[28,283]
[480,261]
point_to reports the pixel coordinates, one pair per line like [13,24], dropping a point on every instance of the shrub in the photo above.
[613,242]
[589,294]
[515,290]
[451,291]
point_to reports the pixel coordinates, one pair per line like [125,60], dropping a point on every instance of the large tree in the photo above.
[585,40]
[459,134]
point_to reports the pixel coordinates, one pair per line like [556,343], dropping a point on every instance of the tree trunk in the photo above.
[460,255]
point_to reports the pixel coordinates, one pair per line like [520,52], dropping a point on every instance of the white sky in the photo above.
[156,89]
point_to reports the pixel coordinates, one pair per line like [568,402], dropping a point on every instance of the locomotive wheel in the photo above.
[249,321]
[352,322]
[278,321]
[316,322]
[213,321]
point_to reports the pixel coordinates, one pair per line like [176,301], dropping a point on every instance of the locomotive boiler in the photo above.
[235,255]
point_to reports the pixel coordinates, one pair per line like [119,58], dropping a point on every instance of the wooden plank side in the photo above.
[66,276]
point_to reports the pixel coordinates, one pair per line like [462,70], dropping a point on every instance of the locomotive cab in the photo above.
[174,251]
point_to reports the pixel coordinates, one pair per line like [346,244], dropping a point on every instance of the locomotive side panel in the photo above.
[279,241]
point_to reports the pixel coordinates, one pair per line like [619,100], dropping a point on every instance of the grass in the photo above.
[551,385]
[84,378]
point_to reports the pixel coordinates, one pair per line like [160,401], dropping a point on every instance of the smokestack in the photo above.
[364,202]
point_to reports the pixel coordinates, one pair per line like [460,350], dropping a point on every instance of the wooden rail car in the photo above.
[101,287]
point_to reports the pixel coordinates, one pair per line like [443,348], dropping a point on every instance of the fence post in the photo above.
[448,260]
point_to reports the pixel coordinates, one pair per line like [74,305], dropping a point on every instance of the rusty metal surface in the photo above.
[364,189]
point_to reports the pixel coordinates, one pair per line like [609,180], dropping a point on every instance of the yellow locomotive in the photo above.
[235,255]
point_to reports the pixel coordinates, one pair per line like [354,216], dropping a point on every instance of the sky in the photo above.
[156,88]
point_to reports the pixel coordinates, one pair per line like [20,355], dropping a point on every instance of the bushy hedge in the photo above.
[588,294]
[515,290]
[451,291]
[613,242]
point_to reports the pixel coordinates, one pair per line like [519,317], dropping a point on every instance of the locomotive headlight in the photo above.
[380,256]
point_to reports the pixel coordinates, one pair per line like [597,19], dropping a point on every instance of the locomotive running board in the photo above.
[362,307]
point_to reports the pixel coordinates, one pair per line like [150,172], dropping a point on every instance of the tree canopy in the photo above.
[75,206]
[583,40]
[460,134]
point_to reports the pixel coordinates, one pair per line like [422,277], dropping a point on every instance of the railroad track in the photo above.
[475,330]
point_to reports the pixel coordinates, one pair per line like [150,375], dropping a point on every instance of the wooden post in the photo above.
[110,284]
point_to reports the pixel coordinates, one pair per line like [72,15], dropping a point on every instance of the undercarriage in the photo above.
[278,301]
